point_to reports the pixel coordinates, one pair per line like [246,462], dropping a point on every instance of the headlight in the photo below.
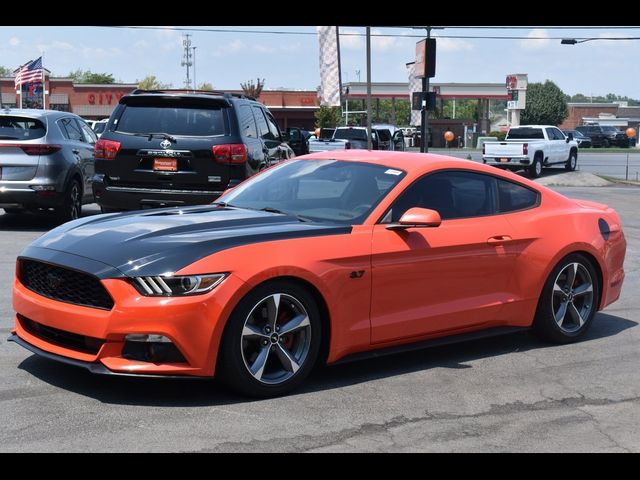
[171,286]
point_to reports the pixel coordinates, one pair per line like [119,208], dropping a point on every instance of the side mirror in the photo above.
[417,218]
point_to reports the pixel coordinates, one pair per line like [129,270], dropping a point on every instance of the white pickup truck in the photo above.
[532,147]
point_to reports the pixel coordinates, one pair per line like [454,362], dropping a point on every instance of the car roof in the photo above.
[35,113]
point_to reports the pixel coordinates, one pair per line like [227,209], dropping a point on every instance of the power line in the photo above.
[357,34]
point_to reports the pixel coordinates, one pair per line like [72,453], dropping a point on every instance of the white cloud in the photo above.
[55,45]
[291,47]
[142,44]
[350,42]
[14,41]
[453,45]
[538,38]
[264,49]
[383,44]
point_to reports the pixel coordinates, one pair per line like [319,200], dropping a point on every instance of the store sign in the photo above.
[104,98]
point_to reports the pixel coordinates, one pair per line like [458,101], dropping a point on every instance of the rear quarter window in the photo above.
[513,197]
[21,128]
[183,120]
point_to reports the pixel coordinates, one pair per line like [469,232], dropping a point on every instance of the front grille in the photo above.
[69,340]
[64,285]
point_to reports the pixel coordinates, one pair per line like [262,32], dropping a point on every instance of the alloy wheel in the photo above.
[572,299]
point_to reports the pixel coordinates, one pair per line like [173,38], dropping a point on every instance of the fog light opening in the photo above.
[151,348]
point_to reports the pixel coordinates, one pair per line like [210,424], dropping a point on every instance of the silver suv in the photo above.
[46,162]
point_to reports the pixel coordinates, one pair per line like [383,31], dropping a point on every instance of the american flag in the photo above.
[30,72]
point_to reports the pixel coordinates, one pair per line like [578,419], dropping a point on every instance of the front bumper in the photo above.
[194,325]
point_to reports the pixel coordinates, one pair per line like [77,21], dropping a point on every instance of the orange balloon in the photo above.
[631,132]
[449,136]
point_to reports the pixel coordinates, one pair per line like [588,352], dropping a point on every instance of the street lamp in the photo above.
[573,41]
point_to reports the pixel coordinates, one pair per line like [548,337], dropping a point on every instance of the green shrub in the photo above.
[499,135]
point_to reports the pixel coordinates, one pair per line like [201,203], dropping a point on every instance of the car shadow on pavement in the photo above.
[33,222]
[194,392]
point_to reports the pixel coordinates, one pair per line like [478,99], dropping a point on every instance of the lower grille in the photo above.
[69,340]
[64,285]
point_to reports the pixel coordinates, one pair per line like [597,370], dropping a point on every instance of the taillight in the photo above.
[106,149]
[40,149]
[525,148]
[230,153]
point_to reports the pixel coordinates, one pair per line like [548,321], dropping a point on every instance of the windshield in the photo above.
[99,127]
[609,129]
[524,133]
[350,134]
[21,128]
[319,190]
[182,120]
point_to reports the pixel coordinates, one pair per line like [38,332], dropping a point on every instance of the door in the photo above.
[87,158]
[398,141]
[81,149]
[430,280]
[270,135]
[297,141]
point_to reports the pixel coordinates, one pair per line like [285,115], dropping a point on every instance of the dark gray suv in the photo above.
[46,162]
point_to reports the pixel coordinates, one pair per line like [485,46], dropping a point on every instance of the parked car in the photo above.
[172,148]
[46,162]
[99,126]
[532,147]
[329,257]
[583,140]
[383,137]
[604,136]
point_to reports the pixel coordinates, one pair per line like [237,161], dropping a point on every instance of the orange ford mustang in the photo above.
[323,258]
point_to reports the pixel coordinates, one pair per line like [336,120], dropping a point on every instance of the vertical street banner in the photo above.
[330,84]
[415,85]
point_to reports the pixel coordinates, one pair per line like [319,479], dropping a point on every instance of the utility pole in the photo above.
[369,143]
[424,144]
[186,58]
[195,84]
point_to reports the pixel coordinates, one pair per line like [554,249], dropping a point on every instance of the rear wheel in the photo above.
[71,207]
[572,162]
[569,300]
[272,340]
[535,170]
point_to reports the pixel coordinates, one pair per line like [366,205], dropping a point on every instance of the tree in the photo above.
[150,82]
[251,89]
[5,72]
[87,76]
[205,86]
[329,117]
[546,105]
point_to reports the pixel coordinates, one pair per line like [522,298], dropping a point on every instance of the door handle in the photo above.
[499,240]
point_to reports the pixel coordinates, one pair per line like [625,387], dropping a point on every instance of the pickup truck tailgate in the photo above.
[503,149]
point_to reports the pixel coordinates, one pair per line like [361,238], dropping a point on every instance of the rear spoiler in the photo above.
[178,99]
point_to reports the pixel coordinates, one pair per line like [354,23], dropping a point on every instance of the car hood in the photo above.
[154,242]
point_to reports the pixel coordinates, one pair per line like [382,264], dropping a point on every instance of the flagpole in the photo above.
[44,85]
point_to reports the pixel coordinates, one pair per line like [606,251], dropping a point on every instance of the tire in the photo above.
[535,169]
[565,311]
[71,208]
[257,361]
[572,162]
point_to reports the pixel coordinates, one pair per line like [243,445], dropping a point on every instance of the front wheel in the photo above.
[569,300]
[572,162]
[271,341]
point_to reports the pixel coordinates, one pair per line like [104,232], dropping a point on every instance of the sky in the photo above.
[225,59]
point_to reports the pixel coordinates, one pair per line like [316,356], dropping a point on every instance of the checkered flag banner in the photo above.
[329,66]
[415,85]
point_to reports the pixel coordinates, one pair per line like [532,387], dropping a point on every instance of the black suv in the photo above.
[604,136]
[173,147]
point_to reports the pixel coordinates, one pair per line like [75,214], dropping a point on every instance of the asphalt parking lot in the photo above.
[512,393]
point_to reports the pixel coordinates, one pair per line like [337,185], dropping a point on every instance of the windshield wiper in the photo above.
[275,210]
[161,135]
